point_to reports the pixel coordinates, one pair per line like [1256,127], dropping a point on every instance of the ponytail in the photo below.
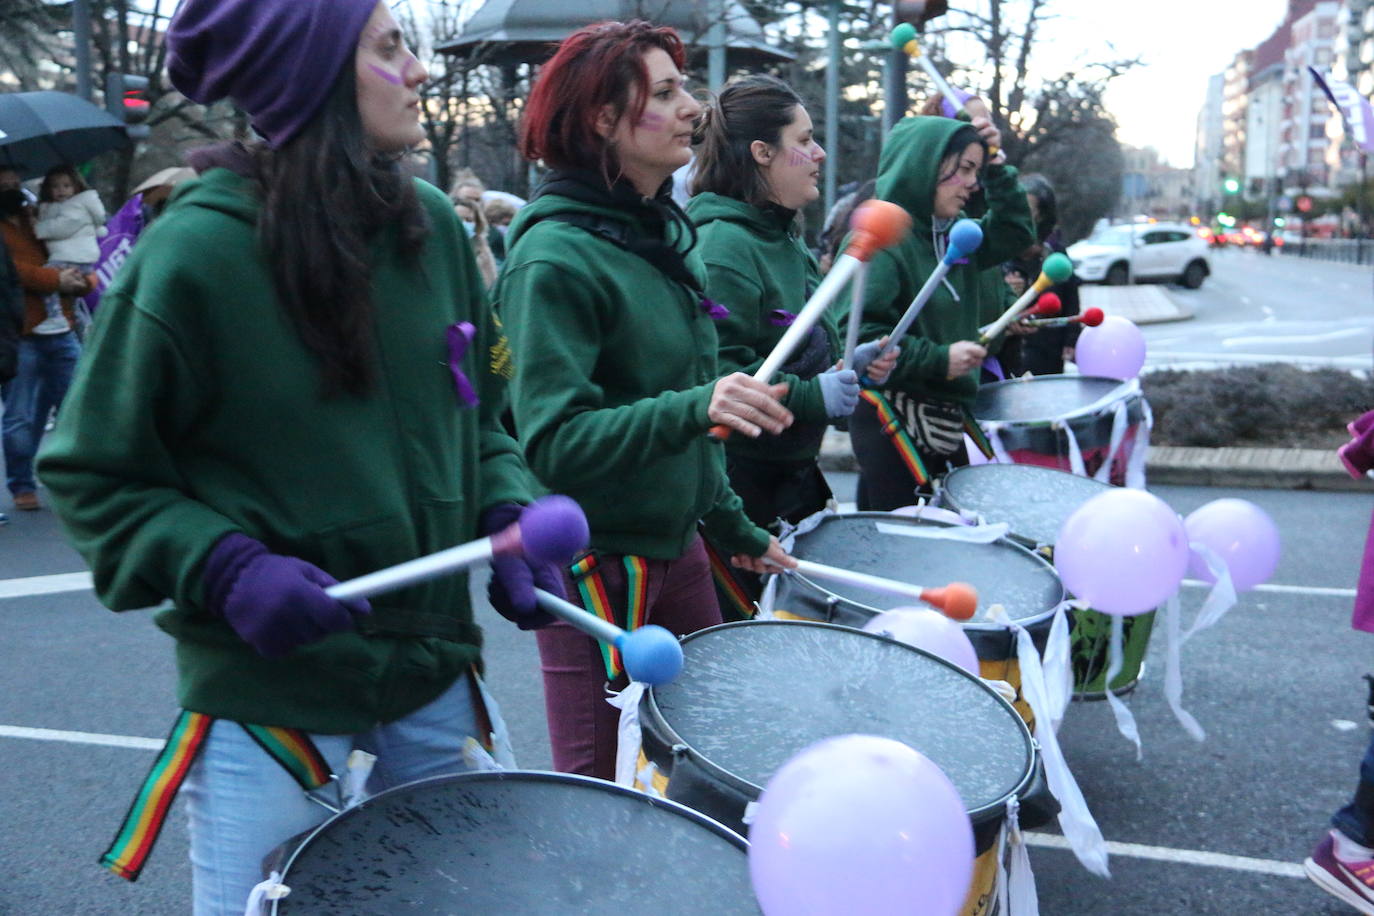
[749,108]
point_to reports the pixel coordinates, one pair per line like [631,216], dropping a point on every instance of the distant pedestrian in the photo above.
[71,221]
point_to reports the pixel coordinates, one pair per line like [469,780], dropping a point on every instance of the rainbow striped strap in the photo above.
[586,573]
[290,747]
[732,595]
[139,831]
[975,432]
[894,430]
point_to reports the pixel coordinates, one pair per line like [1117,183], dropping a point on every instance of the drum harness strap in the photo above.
[586,572]
[901,440]
[735,600]
[133,843]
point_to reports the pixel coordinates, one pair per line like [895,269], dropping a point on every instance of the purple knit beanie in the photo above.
[277,59]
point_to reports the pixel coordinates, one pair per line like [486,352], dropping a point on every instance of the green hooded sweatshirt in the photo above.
[615,368]
[757,266]
[196,411]
[907,174]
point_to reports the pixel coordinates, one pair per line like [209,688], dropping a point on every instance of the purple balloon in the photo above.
[1113,349]
[1239,532]
[928,630]
[860,824]
[1123,552]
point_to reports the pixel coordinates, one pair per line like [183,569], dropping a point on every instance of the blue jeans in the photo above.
[1356,820]
[242,804]
[46,365]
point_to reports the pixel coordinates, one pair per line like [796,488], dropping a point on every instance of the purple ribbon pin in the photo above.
[717,311]
[781,318]
[459,339]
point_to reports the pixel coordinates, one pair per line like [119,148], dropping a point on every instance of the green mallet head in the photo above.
[902,36]
[1057,267]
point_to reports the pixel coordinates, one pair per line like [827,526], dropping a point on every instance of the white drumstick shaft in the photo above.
[820,300]
[1007,317]
[876,583]
[585,621]
[856,311]
[937,78]
[922,297]
[411,572]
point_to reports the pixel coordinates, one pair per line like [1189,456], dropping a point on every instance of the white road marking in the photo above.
[1180,856]
[1343,725]
[1296,338]
[45,585]
[54,734]
[1317,590]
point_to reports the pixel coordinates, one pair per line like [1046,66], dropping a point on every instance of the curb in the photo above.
[1262,468]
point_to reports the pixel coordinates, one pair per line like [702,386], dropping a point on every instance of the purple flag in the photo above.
[1355,109]
[121,232]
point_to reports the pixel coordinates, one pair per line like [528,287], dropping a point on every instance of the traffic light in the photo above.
[126,97]
[1231,185]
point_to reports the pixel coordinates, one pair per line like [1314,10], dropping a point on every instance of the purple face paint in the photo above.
[387,75]
[798,157]
[650,121]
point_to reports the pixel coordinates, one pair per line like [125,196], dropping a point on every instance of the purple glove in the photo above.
[514,577]
[275,603]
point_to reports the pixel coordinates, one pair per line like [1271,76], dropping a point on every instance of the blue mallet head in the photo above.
[651,654]
[553,529]
[964,238]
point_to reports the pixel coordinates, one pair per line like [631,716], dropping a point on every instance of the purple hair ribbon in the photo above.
[781,318]
[717,311]
[459,339]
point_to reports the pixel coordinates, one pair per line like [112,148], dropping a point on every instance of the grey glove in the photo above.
[864,354]
[840,390]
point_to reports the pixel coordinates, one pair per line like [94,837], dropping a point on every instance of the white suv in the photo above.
[1143,251]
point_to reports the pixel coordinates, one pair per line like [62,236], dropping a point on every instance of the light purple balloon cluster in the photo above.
[1123,552]
[1113,349]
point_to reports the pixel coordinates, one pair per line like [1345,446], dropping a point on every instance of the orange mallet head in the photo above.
[876,224]
[958,600]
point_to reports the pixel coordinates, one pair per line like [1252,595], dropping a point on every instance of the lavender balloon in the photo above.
[860,824]
[1239,532]
[1123,552]
[1113,349]
[928,630]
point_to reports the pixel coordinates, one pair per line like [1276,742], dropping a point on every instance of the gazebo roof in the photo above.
[524,31]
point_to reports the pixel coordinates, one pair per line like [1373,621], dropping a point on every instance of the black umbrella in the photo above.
[39,130]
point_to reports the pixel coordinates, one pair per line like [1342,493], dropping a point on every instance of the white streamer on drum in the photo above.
[993,432]
[1135,465]
[1219,600]
[1058,666]
[1075,820]
[1016,893]
[357,770]
[1125,721]
[787,538]
[630,738]
[502,751]
[264,893]
[968,534]
[1076,464]
[1119,424]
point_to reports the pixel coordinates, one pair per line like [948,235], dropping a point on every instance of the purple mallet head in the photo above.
[553,529]
[964,238]
[651,654]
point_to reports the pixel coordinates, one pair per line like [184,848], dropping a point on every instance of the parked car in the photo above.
[1153,251]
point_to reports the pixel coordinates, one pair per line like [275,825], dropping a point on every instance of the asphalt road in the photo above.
[1257,309]
[1276,685]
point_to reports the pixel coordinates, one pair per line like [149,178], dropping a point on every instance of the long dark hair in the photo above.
[750,108]
[45,189]
[325,196]
[958,142]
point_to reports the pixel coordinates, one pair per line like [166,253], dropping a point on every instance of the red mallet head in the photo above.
[1092,317]
[1048,304]
[553,529]
[958,600]
[876,224]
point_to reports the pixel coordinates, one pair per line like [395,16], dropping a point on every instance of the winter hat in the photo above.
[276,59]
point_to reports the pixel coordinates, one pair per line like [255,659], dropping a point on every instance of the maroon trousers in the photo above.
[582,725]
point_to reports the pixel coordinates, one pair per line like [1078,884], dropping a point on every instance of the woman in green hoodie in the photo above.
[616,381]
[911,428]
[757,164]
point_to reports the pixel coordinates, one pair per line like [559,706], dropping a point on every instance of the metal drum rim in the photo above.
[987,626]
[981,814]
[1131,393]
[534,776]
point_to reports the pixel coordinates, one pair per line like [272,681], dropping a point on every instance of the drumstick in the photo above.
[1045,306]
[903,38]
[964,238]
[876,224]
[1057,269]
[856,311]
[551,530]
[957,599]
[651,654]
[1091,318]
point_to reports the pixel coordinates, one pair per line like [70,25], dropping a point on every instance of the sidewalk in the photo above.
[1148,303]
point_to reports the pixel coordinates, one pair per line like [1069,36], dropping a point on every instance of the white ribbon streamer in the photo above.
[629,738]
[263,893]
[993,432]
[1125,722]
[502,751]
[1173,671]
[1104,473]
[1058,666]
[1076,465]
[1220,599]
[357,769]
[1075,820]
[1016,882]
[1135,465]
[968,534]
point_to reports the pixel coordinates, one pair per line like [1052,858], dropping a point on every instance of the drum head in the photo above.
[872,542]
[1034,501]
[1041,397]
[518,842]
[753,694]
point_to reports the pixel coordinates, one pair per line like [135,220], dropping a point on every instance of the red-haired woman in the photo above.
[615,350]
